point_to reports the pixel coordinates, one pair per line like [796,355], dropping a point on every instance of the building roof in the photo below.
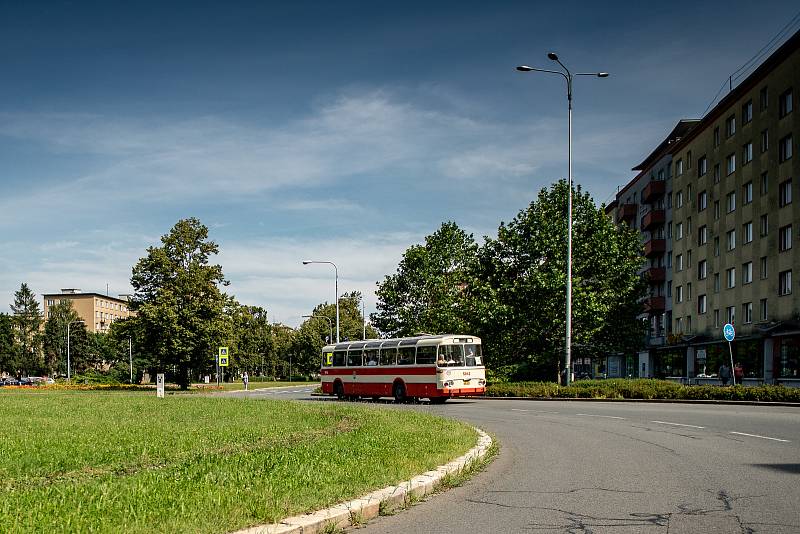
[75,295]
[779,56]
[683,127]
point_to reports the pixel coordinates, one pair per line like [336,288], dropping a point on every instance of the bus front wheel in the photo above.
[338,390]
[399,392]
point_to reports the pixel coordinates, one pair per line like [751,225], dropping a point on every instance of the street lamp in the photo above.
[336,271]
[568,76]
[69,372]
[330,323]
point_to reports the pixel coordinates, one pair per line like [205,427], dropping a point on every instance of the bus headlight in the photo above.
[481,382]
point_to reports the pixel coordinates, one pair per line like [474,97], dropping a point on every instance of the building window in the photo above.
[747,312]
[716,210]
[730,278]
[702,201]
[679,231]
[731,239]
[730,314]
[785,283]
[679,199]
[763,99]
[747,273]
[785,148]
[716,317]
[679,262]
[730,202]
[785,103]
[689,160]
[747,153]
[764,183]
[730,164]
[701,304]
[716,246]
[679,294]
[764,310]
[764,272]
[730,126]
[702,270]
[747,193]
[669,288]
[702,166]
[689,259]
[716,282]
[679,167]
[764,141]
[785,238]
[747,112]
[716,136]
[702,235]
[679,325]
[716,173]
[785,193]
[764,225]
[747,230]
[689,291]
[688,225]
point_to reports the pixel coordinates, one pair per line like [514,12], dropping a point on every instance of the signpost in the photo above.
[730,333]
[222,360]
[160,385]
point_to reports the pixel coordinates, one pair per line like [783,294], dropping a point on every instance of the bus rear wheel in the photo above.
[438,400]
[338,390]
[399,392]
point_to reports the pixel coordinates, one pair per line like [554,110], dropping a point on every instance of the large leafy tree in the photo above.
[8,351]
[179,303]
[55,338]
[520,286]
[27,320]
[427,293]
[253,349]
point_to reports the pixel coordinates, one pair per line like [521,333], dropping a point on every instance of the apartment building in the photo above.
[96,310]
[734,181]
[645,204]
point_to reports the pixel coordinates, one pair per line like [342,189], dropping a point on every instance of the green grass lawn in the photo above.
[128,462]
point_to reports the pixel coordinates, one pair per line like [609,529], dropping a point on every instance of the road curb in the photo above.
[369,506]
[652,401]
[237,391]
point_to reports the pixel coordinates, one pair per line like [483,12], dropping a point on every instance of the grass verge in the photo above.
[89,461]
[643,389]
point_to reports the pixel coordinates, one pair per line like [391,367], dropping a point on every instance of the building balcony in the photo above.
[656,274]
[627,212]
[654,305]
[654,218]
[654,247]
[653,191]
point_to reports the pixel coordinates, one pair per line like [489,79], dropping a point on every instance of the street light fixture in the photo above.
[330,323]
[336,287]
[69,365]
[568,76]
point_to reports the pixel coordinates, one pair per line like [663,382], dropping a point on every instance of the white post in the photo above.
[569,238]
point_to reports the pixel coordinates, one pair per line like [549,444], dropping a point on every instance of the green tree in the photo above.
[27,320]
[8,351]
[520,285]
[55,337]
[179,304]
[427,293]
[253,348]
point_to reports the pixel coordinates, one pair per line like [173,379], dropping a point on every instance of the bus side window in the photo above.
[371,357]
[327,359]
[339,358]
[354,358]
[405,356]
[388,356]
[426,355]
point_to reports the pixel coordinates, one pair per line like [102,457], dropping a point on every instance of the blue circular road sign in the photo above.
[729,332]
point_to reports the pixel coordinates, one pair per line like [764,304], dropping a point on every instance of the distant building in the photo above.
[96,310]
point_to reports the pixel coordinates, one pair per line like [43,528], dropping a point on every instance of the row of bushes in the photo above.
[642,389]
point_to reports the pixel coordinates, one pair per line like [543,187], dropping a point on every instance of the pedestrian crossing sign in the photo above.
[223,356]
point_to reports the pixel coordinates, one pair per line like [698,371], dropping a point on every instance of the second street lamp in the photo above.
[336,272]
[330,323]
[568,76]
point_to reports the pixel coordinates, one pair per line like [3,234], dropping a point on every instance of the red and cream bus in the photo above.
[434,367]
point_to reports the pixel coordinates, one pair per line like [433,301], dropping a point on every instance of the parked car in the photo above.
[25,381]
[9,381]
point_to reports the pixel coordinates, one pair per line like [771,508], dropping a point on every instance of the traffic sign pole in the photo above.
[730,333]
[733,374]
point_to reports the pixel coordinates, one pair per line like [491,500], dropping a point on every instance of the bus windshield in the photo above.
[459,355]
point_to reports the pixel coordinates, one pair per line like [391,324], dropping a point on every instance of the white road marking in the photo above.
[595,415]
[518,410]
[762,437]
[676,424]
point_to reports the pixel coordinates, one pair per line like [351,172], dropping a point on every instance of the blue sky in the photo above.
[341,131]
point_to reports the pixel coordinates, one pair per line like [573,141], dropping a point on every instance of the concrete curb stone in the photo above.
[653,401]
[369,506]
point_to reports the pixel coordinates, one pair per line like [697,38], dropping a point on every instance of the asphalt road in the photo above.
[585,467]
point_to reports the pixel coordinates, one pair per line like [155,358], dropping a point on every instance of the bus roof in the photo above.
[404,341]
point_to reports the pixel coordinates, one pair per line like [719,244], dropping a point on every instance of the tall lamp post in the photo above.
[69,364]
[568,76]
[336,272]
[330,323]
